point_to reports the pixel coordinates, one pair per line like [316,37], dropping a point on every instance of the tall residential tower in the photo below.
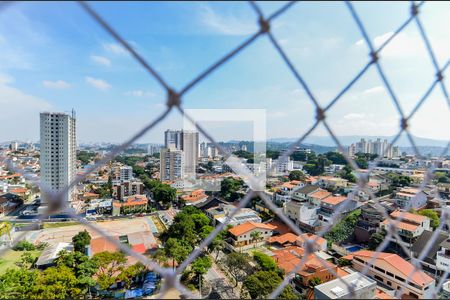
[58,153]
[188,142]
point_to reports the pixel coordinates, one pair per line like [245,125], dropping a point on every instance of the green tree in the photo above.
[376,239]
[129,273]
[27,259]
[255,237]
[236,263]
[81,240]
[265,262]
[160,256]
[432,215]
[260,284]
[347,173]
[313,282]
[83,266]
[56,283]
[200,266]
[109,263]
[165,194]
[176,249]
[229,187]
[297,175]
[24,246]
[344,229]
[336,158]
[18,283]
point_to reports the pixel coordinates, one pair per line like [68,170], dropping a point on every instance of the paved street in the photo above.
[221,287]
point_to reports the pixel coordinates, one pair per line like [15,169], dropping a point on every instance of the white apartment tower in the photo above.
[171,164]
[188,142]
[126,173]
[58,153]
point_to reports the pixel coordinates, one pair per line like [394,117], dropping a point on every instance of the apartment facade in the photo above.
[57,153]
[188,142]
[171,164]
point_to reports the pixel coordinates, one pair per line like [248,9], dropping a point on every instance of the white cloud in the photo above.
[5,78]
[140,93]
[373,91]
[98,83]
[227,24]
[58,84]
[101,60]
[354,116]
[114,48]
[20,112]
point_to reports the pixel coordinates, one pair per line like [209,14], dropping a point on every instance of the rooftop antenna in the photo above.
[74,114]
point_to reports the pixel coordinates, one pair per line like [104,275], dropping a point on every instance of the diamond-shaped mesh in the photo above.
[175,100]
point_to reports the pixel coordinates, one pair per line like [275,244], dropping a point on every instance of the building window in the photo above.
[378,278]
[399,278]
[389,283]
[379,269]
[390,274]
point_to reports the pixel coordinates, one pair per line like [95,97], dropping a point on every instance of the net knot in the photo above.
[173,98]
[414,9]
[264,25]
[320,114]
[404,123]
[439,76]
[374,56]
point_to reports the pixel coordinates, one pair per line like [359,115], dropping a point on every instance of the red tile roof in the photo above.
[408,216]
[396,262]
[320,194]
[284,238]
[101,244]
[140,248]
[248,226]
[334,200]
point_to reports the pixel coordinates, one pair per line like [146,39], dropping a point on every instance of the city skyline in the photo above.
[104,78]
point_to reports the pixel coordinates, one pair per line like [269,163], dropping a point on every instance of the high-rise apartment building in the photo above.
[380,147]
[188,142]
[14,146]
[126,173]
[58,153]
[171,164]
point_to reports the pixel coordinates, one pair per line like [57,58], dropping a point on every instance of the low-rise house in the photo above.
[283,240]
[130,205]
[368,222]
[317,197]
[219,214]
[393,271]
[410,198]
[332,182]
[409,227]
[320,244]
[248,235]
[303,193]
[443,256]
[302,214]
[332,204]
[444,188]
[195,197]
[364,288]
[286,190]
[314,267]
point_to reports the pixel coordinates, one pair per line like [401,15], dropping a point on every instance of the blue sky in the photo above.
[53,56]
